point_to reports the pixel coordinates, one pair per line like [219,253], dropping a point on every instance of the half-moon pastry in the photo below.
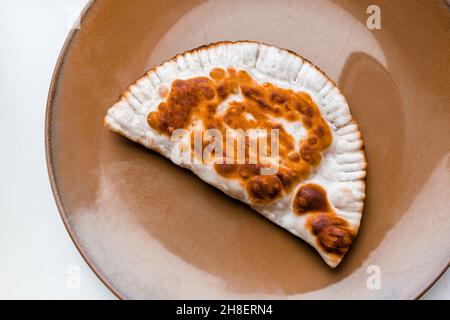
[311,178]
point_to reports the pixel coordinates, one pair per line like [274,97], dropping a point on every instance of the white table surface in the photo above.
[37,255]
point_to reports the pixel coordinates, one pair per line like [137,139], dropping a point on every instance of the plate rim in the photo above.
[48,152]
[53,180]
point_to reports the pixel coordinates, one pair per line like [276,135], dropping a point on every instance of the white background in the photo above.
[37,254]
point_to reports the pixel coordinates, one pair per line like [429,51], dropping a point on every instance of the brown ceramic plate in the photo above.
[152,230]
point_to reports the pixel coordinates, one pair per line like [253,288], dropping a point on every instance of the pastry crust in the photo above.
[324,207]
